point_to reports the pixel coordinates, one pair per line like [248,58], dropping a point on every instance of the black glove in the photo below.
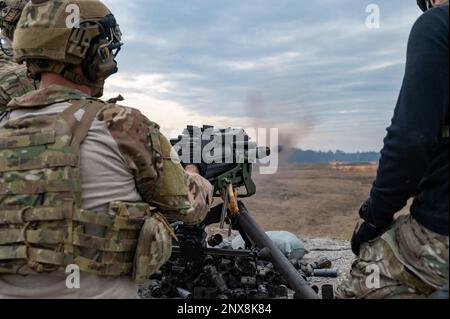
[365,208]
[364,232]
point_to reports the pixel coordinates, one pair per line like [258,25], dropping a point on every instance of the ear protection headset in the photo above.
[99,62]
[6,46]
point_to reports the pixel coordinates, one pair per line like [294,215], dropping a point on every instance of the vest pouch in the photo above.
[154,248]
[116,247]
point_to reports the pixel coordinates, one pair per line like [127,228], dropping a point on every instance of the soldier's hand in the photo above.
[364,232]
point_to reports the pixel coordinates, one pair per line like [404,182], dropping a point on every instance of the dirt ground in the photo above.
[312,201]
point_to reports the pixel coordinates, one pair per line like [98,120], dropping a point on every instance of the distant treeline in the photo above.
[307,157]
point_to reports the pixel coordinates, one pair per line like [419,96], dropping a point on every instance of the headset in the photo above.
[6,46]
[99,62]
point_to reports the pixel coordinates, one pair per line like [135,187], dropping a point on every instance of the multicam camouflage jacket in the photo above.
[13,80]
[96,180]
[85,182]
[89,183]
[146,151]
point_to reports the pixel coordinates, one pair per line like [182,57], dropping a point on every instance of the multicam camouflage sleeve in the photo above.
[14,81]
[160,181]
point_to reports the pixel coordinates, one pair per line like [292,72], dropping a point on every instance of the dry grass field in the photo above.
[312,201]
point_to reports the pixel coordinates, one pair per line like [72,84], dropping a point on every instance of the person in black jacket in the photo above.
[408,257]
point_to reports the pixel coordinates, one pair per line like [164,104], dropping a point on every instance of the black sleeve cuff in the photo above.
[376,217]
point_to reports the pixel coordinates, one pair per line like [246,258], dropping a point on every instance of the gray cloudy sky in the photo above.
[311,68]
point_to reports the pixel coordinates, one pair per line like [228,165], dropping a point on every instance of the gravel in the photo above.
[338,251]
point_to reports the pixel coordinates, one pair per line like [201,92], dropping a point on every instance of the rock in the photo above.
[338,251]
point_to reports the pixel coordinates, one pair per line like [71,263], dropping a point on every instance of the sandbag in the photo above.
[289,244]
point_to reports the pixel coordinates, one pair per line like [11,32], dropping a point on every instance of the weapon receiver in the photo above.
[225,157]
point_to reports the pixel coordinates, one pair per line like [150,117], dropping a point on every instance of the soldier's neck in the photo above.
[50,78]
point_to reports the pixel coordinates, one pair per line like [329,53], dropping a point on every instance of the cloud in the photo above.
[201,60]
[146,92]
[274,61]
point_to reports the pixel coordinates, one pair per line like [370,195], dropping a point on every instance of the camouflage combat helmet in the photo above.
[78,39]
[10,11]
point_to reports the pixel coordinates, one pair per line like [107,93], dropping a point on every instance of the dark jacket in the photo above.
[415,160]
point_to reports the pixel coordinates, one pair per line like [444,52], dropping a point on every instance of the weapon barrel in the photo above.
[176,251]
[287,270]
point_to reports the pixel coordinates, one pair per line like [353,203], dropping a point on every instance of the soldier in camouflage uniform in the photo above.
[83,182]
[408,258]
[13,77]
